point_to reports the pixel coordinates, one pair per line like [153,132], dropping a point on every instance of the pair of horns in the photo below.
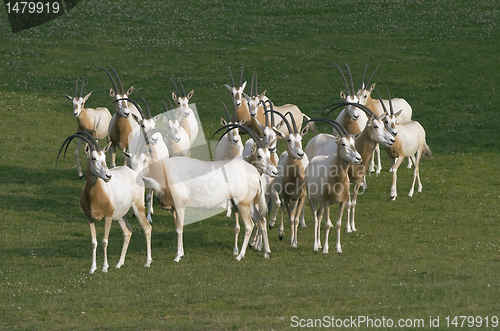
[76,87]
[350,93]
[390,102]
[241,76]
[291,128]
[121,90]
[362,85]
[85,136]
[254,76]
[235,116]
[177,90]
[340,129]
[338,105]
[259,141]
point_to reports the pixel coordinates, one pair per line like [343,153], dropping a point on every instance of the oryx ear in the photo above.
[174,96]
[342,95]
[370,121]
[126,154]
[263,94]
[280,124]
[398,113]
[338,138]
[229,88]
[152,183]
[242,121]
[304,131]
[243,86]
[372,88]
[254,148]
[357,135]
[88,151]
[130,90]
[87,96]
[190,94]
[136,118]
[106,148]
[112,93]
[259,125]
[278,133]
[223,121]
[246,96]
[69,98]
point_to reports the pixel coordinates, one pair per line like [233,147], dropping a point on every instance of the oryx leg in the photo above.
[277,202]
[339,225]
[351,227]
[244,211]
[179,226]
[149,202]
[416,175]
[379,163]
[112,152]
[394,170]
[127,234]
[93,268]
[146,227]
[316,220]
[77,158]
[234,215]
[328,225]
[302,220]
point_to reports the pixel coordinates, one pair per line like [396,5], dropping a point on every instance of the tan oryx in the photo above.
[122,124]
[94,121]
[410,142]
[327,182]
[109,194]
[185,114]
[289,184]
[377,106]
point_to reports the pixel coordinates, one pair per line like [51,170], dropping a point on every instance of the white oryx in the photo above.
[177,139]
[229,145]
[327,182]
[289,184]
[122,124]
[94,121]
[410,142]
[185,115]
[374,133]
[377,106]
[109,194]
[181,182]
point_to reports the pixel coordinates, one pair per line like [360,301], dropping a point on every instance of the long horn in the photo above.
[340,129]
[81,91]
[350,76]
[231,75]
[373,73]
[256,92]
[251,86]
[76,87]
[250,132]
[390,102]
[83,136]
[363,79]
[118,80]
[283,117]
[383,106]
[343,78]
[227,112]
[241,76]
[338,105]
[147,106]
[176,89]
[112,81]
[293,122]
[182,89]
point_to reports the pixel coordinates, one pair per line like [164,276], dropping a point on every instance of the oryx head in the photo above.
[254,98]
[233,134]
[389,117]
[236,91]
[349,96]
[96,157]
[294,138]
[122,107]
[78,102]
[182,100]
[364,92]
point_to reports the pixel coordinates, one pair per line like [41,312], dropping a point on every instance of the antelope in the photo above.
[229,145]
[377,106]
[289,184]
[109,194]
[185,116]
[255,109]
[94,121]
[327,182]
[122,124]
[184,182]
[177,139]
[410,142]
[374,133]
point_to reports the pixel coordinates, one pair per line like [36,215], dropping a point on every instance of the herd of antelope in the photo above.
[248,180]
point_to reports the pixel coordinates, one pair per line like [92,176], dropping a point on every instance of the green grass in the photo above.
[436,254]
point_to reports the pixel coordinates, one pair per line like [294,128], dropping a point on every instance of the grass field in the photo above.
[434,255]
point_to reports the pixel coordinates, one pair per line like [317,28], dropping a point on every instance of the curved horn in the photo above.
[382,103]
[118,80]
[340,129]
[76,87]
[176,89]
[367,110]
[373,73]
[283,117]
[231,75]
[250,132]
[390,102]
[293,122]
[112,81]
[81,91]
[256,92]
[227,112]
[350,76]
[85,136]
[343,78]
[251,86]
[241,76]
[147,106]
[182,89]
[363,79]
